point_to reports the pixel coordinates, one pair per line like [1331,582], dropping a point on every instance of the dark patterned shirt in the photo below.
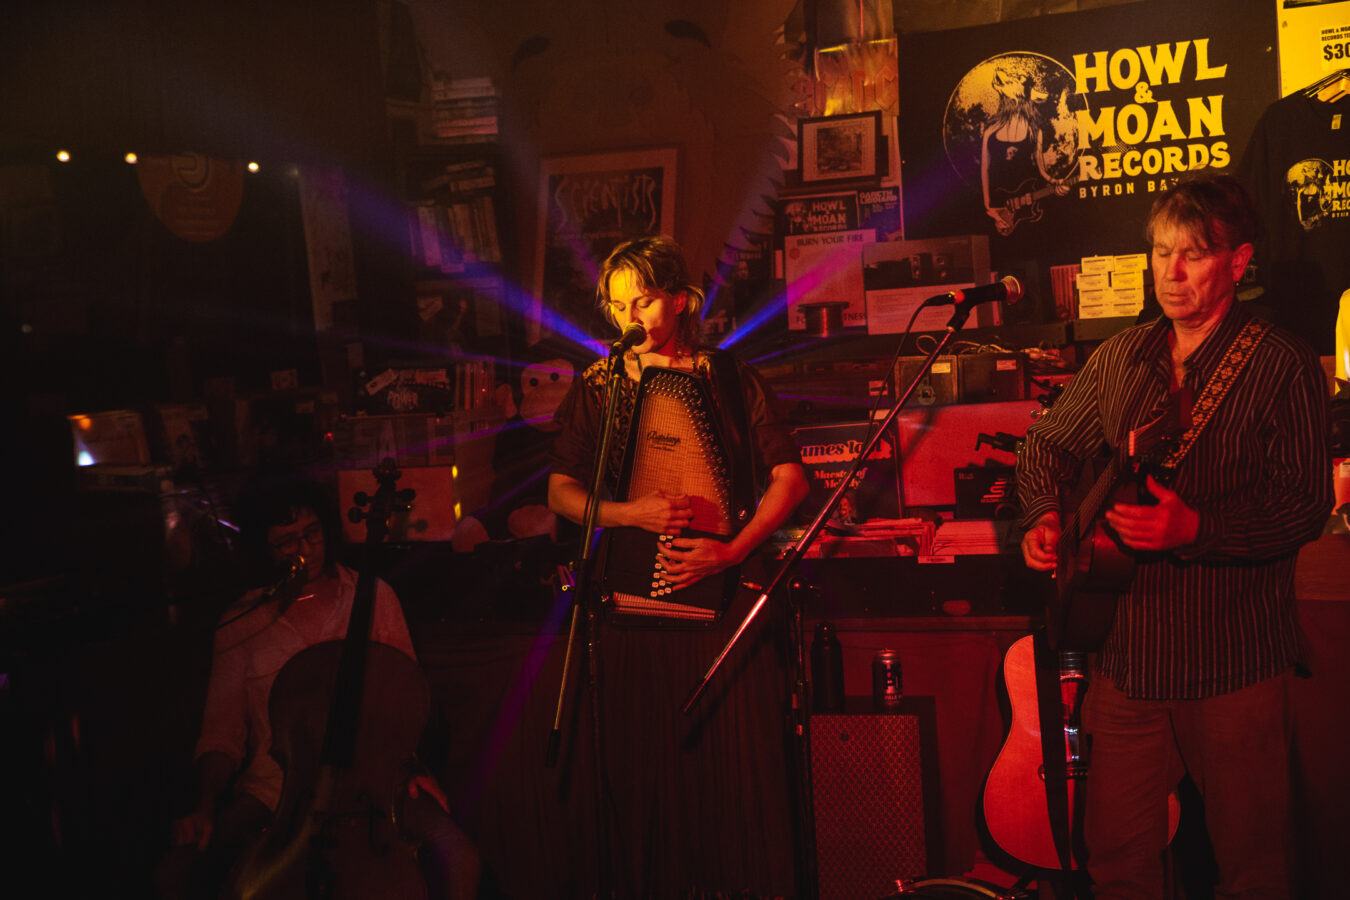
[1217,615]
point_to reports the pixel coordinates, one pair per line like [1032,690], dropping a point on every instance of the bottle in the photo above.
[827,671]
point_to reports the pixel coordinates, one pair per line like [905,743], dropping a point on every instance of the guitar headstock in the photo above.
[1167,423]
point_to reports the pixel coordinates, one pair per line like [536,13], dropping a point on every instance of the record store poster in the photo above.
[1053,135]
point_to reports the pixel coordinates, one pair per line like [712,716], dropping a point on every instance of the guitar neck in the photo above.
[1133,453]
[1092,503]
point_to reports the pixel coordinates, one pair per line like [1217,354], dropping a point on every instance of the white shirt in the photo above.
[248,654]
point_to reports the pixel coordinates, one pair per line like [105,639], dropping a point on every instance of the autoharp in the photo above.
[676,445]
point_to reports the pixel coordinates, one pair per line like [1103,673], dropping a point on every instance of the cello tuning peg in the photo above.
[354,515]
[362,498]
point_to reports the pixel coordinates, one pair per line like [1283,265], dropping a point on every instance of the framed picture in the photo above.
[840,148]
[588,205]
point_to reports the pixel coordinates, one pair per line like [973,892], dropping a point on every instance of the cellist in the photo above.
[290,524]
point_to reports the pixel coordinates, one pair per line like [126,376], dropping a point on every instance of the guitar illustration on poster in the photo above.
[1011,127]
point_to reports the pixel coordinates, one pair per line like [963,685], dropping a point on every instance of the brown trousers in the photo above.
[1235,747]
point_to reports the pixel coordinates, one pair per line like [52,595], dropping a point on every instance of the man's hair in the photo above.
[275,498]
[657,263]
[1213,208]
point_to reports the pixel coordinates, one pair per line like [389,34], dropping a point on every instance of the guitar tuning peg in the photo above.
[354,515]
[362,498]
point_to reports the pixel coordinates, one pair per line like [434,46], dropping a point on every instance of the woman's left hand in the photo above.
[686,560]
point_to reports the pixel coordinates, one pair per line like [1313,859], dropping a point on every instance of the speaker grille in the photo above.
[870,815]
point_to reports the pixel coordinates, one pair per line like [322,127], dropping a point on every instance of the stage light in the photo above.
[253,167]
[131,159]
[63,155]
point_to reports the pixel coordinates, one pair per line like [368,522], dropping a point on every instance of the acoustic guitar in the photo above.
[1094,566]
[1016,803]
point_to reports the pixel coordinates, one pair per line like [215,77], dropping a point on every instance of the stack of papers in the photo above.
[971,537]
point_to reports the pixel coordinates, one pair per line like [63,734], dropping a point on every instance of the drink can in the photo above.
[886,684]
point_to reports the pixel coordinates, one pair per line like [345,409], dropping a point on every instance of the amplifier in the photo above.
[938,385]
[872,786]
[991,377]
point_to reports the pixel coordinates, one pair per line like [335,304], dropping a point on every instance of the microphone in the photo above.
[633,335]
[291,573]
[1007,290]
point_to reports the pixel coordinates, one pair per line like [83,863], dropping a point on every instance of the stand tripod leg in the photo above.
[555,736]
[592,650]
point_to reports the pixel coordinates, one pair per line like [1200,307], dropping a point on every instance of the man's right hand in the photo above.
[1039,544]
[194,828]
[660,512]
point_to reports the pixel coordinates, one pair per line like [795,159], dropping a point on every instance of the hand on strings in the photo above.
[686,560]
[1040,543]
[660,512]
[420,784]
[195,828]
[1167,525]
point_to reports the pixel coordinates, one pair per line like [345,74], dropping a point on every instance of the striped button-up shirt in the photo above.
[1216,615]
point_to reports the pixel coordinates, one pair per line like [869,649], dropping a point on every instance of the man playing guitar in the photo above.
[1193,674]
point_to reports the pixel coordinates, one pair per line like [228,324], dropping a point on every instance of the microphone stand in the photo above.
[958,320]
[585,602]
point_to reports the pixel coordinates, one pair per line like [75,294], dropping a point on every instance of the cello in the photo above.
[346,718]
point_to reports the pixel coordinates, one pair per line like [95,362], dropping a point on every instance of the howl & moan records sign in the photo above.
[1054,134]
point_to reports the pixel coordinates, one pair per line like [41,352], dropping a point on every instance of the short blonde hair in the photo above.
[657,264]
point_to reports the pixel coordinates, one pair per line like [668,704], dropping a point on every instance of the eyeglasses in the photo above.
[312,536]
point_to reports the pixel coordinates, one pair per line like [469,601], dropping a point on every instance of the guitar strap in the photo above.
[1234,360]
[1049,707]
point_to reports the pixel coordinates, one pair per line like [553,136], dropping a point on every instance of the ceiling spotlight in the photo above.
[63,155]
[130,158]
[253,167]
